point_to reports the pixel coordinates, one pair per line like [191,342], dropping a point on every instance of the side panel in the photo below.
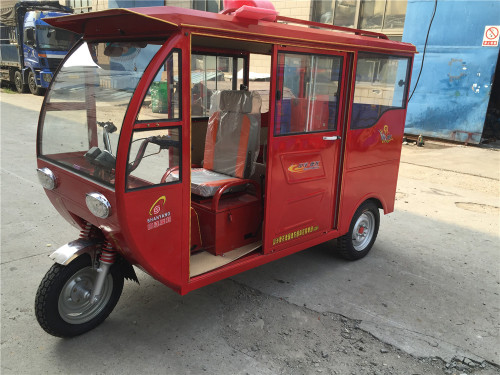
[380,143]
[371,165]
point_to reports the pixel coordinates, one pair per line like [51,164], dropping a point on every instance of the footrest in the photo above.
[203,262]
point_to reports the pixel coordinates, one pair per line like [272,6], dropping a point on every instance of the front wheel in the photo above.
[62,303]
[363,231]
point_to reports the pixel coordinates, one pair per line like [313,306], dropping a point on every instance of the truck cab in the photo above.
[44,47]
[31,49]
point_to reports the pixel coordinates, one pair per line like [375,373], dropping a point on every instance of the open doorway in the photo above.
[491,130]
[229,125]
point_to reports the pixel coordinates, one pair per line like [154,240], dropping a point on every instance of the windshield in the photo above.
[55,39]
[86,105]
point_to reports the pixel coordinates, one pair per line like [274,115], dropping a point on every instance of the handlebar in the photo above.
[164,142]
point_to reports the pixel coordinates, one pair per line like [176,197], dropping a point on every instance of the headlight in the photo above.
[98,205]
[46,178]
[47,77]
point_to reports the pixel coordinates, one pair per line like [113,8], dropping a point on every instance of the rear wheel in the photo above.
[18,82]
[62,303]
[35,90]
[363,231]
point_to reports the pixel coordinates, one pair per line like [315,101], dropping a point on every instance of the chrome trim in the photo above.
[65,254]
[332,138]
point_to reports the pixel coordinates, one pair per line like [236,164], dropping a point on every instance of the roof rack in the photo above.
[331,27]
[265,16]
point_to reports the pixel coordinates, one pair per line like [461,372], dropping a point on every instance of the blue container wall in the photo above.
[452,96]
[135,3]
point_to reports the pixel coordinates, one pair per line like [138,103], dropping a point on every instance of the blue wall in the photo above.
[135,3]
[452,95]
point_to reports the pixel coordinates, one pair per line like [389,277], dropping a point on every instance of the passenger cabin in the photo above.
[276,131]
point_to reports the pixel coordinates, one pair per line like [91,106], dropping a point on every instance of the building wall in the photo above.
[452,95]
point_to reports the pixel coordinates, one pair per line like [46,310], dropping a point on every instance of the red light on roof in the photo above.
[235,4]
[251,9]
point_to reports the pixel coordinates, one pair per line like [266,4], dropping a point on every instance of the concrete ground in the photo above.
[424,301]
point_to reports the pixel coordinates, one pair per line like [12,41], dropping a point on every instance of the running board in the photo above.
[204,261]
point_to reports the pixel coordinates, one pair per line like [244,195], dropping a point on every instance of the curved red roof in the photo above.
[162,21]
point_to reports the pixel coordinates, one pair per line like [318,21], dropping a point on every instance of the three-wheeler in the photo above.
[197,145]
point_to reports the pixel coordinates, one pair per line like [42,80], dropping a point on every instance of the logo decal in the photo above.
[156,208]
[303,167]
[385,136]
[159,218]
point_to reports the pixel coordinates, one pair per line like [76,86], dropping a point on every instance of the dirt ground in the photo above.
[424,301]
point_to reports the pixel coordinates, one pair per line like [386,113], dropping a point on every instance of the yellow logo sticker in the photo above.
[156,207]
[303,167]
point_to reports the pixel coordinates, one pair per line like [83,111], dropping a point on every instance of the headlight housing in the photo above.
[47,178]
[98,205]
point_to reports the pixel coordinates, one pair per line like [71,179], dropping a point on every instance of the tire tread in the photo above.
[344,243]
[46,310]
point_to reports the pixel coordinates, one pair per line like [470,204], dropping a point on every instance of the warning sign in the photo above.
[490,37]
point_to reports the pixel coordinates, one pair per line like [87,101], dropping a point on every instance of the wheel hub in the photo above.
[74,300]
[363,231]
[80,291]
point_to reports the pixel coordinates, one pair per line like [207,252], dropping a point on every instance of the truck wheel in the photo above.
[62,303]
[363,231]
[18,82]
[35,90]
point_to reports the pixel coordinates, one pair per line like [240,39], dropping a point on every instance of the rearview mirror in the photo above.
[113,51]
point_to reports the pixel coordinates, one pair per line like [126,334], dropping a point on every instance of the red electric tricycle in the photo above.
[196,146]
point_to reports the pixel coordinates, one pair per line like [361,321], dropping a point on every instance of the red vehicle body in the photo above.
[325,159]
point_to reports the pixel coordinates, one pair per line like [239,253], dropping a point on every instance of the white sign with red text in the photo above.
[490,37]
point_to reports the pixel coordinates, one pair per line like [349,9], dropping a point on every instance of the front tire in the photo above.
[34,89]
[363,231]
[62,304]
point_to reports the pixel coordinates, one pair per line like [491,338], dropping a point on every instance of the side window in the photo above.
[210,73]
[154,158]
[162,101]
[308,93]
[381,84]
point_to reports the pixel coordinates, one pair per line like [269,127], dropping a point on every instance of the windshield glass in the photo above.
[55,39]
[86,105]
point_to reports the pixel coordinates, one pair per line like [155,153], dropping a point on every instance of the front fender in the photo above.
[65,254]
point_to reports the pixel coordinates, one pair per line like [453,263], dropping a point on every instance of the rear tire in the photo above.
[21,87]
[62,305]
[35,90]
[363,231]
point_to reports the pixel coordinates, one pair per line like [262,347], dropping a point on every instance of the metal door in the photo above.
[304,146]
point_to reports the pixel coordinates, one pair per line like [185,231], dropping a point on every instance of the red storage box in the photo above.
[237,222]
